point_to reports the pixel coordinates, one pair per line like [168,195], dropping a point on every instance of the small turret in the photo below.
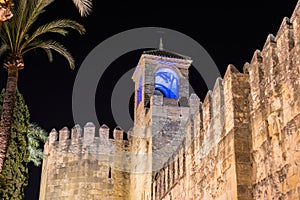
[89,132]
[53,136]
[104,132]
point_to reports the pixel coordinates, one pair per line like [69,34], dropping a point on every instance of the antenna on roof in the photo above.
[161,45]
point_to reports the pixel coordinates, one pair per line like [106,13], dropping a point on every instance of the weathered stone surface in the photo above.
[242,142]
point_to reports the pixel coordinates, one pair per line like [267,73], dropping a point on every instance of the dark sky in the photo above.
[229,32]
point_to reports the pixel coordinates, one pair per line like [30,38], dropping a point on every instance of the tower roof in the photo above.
[163,53]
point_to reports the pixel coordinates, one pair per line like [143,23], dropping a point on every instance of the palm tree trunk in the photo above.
[7,111]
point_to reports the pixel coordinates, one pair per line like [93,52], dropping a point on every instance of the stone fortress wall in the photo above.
[242,141]
[247,133]
[80,165]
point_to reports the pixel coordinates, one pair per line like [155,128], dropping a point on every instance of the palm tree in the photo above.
[18,39]
[84,7]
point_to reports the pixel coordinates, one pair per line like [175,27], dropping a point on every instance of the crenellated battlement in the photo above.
[240,142]
[285,39]
[296,14]
[275,67]
[88,160]
[254,106]
[87,140]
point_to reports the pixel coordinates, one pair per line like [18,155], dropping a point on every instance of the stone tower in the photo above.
[162,96]
[90,165]
[160,115]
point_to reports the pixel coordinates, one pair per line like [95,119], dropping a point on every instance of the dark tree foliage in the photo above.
[14,176]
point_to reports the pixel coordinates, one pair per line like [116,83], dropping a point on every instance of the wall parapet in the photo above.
[80,141]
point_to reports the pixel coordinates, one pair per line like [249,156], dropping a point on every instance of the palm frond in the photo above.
[10,33]
[8,36]
[35,135]
[4,37]
[84,7]
[3,48]
[52,45]
[20,14]
[37,44]
[19,11]
[49,54]
[20,39]
[35,156]
[58,26]
[36,7]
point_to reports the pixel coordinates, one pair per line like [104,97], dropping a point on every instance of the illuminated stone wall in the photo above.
[247,133]
[216,163]
[275,113]
[84,165]
[241,142]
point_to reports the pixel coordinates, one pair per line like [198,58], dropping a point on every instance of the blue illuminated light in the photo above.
[140,88]
[166,63]
[166,81]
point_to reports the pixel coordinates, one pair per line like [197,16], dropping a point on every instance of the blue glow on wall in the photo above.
[166,81]
[140,88]
[166,63]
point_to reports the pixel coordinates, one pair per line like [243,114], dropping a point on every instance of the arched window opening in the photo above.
[166,81]
[160,91]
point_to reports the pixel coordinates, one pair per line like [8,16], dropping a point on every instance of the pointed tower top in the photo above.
[161,46]
[163,53]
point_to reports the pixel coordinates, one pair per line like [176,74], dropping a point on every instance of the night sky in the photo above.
[230,33]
